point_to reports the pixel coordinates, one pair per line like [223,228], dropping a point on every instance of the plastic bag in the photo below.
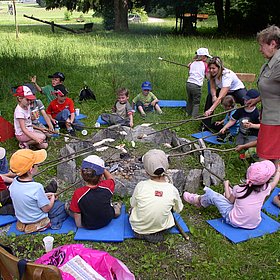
[106,265]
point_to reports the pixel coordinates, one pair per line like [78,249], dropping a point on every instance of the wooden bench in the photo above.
[247,77]
[198,16]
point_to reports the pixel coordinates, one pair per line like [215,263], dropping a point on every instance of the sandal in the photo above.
[38,226]
[20,226]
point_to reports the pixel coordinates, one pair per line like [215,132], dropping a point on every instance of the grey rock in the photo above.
[193,180]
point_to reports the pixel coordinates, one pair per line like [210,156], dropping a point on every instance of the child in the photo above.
[228,103]
[249,120]
[123,113]
[198,70]
[146,101]
[34,209]
[91,205]
[24,131]
[154,200]
[241,206]
[57,79]
[62,110]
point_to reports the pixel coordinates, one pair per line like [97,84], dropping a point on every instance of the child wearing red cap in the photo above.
[24,130]
[241,205]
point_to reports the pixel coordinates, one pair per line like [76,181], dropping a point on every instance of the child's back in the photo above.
[197,72]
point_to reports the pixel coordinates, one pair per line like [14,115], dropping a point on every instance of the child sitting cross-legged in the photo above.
[241,205]
[91,205]
[35,210]
[154,200]
[122,110]
[146,101]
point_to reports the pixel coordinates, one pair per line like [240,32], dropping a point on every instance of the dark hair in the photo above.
[250,189]
[122,91]
[228,101]
[89,176]
[159,171]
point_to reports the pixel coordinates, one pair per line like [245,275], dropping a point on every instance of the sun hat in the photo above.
[260,172]
[22,160]
[251,94]
[153,160]
[203,51]
[146,85]
[24,91]
[95,163]
[2,153]
[60,90]
[57,75]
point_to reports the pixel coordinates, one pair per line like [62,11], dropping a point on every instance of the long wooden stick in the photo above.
[180,229]
[200,150]
[193,119]
[71,186]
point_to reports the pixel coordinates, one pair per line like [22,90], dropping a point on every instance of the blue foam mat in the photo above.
[172,103]
[113,232]
[80,117]
[269,207]
[237,235]
[7,219]
[99,120]
[211,139]
[68,225]
[128,232]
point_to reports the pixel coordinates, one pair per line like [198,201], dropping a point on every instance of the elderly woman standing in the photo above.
[269,86]
[222,82]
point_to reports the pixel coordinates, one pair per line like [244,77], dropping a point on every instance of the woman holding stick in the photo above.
[222,82]
[269,85]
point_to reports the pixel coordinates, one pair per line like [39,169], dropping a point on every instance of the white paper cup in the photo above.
[77,111]
[48,243]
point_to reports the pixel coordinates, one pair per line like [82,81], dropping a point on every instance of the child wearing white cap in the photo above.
[241,205]
[198,70]
[91,205]
[154,200]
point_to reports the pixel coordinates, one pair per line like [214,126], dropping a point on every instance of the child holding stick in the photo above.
[241,206]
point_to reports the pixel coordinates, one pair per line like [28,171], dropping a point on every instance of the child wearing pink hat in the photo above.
[241,205]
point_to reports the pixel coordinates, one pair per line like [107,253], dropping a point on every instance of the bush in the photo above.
[67,15]
[141,12]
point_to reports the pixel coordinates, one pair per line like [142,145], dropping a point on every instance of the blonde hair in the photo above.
[228,101]
[122,91]
[269,34]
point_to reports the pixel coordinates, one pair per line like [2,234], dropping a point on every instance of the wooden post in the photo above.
[15,15]
[52,26]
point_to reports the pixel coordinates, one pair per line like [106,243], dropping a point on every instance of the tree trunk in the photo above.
[227,13]
[121,11]
[220,14]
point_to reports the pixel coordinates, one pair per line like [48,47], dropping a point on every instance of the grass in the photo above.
[106,61]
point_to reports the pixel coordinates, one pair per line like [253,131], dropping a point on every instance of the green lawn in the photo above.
[107,61]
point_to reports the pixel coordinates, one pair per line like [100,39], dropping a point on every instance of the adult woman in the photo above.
[222,82]
[269,86]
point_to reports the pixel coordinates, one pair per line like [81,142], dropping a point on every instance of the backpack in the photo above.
[86,93]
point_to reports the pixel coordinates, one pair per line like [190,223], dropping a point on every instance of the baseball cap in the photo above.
[57,75]
[2,153]
[22,160]
[251,94]
[60,90]
[260,172]
[95,163]
[203,51]
[24,91]
[147,85]
[153,160]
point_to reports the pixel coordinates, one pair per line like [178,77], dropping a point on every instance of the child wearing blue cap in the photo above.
[249,119]
[91,205]
[146,101]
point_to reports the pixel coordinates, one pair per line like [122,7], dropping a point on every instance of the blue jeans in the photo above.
[4,165]
[223,204]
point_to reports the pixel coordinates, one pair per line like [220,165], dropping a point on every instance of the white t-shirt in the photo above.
[230,80]
[21,113]
[152,203]
[197,72]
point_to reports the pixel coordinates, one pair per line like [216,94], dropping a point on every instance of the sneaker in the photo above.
[72,132]
[51,187]
[192,198]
